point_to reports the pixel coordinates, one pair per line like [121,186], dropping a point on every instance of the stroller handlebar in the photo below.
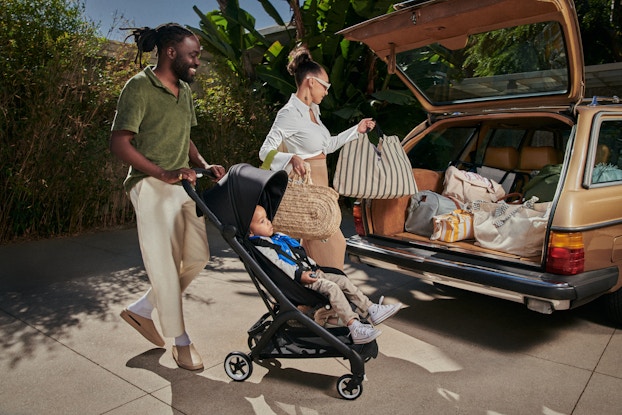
[204,173]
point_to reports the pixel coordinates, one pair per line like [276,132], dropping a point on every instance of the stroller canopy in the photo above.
[235,196]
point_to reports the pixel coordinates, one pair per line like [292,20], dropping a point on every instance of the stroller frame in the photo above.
[284,331]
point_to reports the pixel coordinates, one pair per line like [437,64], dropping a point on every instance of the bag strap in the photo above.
[507,197]
[456,201]
[377,148]
[379,130]
[297,258]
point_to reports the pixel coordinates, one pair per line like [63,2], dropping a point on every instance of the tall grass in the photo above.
[56,176]
[57,98]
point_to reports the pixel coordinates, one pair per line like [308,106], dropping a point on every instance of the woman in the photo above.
[300,136]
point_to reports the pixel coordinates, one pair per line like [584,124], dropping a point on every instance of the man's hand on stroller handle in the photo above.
[214,172]
[175,176]
[185,174]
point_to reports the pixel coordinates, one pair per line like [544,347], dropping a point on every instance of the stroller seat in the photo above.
[307,303]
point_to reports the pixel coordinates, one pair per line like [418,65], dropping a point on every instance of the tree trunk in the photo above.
[300,28]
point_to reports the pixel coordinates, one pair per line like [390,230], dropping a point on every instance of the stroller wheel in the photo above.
[238,366]
[347,387]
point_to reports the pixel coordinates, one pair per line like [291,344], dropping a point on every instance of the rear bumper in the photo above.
[539,290]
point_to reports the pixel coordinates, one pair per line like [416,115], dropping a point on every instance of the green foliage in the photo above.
[354,71]
[57,100]
[516,53]
[601,30]
[231,33]
[232,120]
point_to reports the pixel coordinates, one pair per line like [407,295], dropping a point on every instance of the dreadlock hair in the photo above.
[301,64]
[161,37]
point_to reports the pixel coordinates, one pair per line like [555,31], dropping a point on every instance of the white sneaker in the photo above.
[363,333]
[380,312]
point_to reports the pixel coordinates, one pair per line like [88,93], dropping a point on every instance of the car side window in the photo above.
[607,160]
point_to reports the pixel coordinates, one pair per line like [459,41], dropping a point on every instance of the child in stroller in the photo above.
[284,331]
[286,253]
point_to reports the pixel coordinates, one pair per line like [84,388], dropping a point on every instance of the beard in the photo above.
[182,70]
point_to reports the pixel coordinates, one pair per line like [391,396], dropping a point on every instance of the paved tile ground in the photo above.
[66,351]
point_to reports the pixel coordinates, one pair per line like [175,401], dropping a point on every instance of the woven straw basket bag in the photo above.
[308,211]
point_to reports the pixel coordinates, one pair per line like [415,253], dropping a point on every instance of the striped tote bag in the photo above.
[367,171]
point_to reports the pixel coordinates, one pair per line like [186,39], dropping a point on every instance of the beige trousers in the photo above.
[173,243]
[339,289]
[326,252]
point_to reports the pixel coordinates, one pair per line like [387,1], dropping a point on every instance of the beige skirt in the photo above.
[326,252]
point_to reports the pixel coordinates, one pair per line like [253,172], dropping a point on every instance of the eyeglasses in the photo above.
[321,82]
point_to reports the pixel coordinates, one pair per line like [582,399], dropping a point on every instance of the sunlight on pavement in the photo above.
[396,344]
[293,410]
[423,296]
[549,411]
[448,395]
[545,411]
[261,407]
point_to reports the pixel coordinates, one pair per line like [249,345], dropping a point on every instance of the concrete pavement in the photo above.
[66,351]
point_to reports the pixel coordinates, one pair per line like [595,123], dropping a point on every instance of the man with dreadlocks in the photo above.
[151,133]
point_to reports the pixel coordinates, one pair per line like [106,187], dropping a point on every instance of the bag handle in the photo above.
[377,148]
[306,179]
[517,195]
[456,201]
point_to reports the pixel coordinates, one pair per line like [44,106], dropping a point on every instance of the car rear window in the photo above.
[523,61]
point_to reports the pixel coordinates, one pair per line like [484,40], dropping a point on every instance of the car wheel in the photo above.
[613,303]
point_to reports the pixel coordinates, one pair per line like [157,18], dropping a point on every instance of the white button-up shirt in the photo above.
[303,137]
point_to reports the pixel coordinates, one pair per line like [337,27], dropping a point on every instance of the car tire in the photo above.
[613,304]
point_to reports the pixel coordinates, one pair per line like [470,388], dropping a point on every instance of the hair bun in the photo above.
[298,57]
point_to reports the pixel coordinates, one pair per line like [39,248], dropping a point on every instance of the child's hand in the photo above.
[308,277]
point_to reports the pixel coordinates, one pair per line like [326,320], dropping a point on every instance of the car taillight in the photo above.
[357,213]
[565,253]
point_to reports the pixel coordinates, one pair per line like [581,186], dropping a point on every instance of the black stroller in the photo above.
[284,331]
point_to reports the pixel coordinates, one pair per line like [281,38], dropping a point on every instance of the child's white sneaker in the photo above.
[363,333]
[380,312]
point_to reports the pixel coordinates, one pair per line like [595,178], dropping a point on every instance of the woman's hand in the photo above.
[366,125]
[298,165]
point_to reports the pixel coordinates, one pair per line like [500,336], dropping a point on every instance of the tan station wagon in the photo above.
[502,82]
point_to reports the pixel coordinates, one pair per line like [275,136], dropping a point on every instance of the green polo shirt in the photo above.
[160,121]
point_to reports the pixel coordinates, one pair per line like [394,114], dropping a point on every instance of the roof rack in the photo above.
[596,100]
